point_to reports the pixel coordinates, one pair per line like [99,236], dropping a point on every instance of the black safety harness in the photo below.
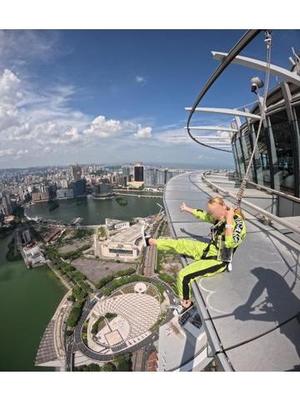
[217,233]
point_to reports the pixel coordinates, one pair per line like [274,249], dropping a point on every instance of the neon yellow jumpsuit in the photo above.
[204,254]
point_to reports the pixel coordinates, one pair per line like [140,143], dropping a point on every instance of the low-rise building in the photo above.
[38,197]
[126,245]
[33,257]
[116,224]
[64,193]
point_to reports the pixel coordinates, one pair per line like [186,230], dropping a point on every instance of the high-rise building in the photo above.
[6,203]
[102,190]
[52,191]
[76,172]
[150,176]
[139,173]
[79,187]
[160,178]
[182,345]
[2,216]
[126,171]
[169,175]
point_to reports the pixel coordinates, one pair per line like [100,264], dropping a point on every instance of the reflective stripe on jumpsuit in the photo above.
[200,267]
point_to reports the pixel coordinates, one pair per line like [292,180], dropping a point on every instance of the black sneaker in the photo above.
[182,310]
[145,237]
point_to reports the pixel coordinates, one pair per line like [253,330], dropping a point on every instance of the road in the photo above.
[151,254]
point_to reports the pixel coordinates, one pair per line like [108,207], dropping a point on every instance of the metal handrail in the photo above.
[267,214]
[274,191]
[268,190]
[240,45]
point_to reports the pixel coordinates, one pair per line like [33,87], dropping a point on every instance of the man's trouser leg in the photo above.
[187,247]
[194,270]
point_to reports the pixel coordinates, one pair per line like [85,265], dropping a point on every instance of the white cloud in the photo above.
[143,133]
[20,153]
[43,121]
[9,87]
[39,127]
[13,152]
[9,96]
[174,136]
[101,127]
[180,136]
[19,47]
[140,79]
[224,135]
[104,128]
[6,152]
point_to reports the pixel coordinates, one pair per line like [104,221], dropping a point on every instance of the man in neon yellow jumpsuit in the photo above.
[229,230]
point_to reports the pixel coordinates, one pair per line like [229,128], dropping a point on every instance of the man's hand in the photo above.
[183,207]
[229,215]
[229,221]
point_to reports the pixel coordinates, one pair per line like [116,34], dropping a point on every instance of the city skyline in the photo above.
[172,165]
[76,181]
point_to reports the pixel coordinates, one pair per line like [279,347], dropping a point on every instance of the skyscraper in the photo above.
[6,203]
[150,176]
[79,187]
[139,172]
[76,172]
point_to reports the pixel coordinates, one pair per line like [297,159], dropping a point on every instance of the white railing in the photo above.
[267,214]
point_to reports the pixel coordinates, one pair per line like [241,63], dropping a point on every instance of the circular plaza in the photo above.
[124,319]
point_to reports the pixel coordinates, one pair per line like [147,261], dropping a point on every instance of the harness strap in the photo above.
[204,254]
[213,257]
[209,258]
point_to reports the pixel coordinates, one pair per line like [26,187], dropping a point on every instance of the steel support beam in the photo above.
[226,111]
[212,128]
[259,65]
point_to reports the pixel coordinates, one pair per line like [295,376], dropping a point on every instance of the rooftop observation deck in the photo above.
[251,315]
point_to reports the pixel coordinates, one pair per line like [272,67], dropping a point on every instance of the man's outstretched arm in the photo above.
[198,213]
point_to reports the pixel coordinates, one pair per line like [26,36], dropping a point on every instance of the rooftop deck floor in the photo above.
[252,309]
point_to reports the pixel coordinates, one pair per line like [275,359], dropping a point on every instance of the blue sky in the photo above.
[117,96]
